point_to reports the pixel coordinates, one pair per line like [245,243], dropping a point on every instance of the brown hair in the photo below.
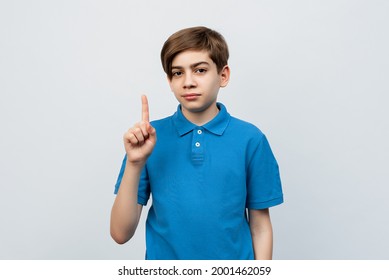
[195,38]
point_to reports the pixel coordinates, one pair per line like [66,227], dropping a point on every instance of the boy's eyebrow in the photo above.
[194,65]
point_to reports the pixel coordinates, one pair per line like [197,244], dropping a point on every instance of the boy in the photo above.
[206,169]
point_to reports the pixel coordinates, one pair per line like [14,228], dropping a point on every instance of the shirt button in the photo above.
[199,131]
[197,144]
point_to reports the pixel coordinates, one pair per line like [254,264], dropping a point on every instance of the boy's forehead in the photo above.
[190,57]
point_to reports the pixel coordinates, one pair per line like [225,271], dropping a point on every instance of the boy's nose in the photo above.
[189,82]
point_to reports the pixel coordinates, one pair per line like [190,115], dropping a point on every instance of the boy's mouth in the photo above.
[191,96]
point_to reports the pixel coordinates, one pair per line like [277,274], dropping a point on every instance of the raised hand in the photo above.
[139,141]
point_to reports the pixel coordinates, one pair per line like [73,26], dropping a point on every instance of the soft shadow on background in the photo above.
[313,75]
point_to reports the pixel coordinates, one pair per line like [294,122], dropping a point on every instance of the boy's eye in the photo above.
[177,74]
[201,70]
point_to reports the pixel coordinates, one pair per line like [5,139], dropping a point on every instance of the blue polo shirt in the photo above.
[202,179]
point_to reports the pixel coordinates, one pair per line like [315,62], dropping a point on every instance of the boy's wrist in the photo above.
[138,166]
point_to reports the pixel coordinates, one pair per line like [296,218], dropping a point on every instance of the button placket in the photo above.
[198,145]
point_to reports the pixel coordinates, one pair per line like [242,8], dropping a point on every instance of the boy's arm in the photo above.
[139,142]
[126,211]
[261,233]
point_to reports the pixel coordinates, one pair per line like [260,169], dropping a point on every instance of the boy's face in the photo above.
[196,82]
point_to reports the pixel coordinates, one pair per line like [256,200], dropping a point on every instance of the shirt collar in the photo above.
[216,126]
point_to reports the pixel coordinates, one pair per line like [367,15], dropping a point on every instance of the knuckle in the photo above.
[133,140]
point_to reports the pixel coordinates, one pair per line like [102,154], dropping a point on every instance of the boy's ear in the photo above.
[225,76]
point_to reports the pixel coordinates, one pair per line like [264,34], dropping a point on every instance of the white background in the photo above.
[313,75]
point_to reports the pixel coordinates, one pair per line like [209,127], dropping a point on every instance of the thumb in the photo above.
[152,133]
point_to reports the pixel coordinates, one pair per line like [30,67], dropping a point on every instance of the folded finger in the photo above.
[137,132]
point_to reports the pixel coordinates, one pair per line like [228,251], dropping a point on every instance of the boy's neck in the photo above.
[201,118]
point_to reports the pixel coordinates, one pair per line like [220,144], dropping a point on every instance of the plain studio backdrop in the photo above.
[312,75]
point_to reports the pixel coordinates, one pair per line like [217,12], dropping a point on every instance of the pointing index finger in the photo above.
[145,109]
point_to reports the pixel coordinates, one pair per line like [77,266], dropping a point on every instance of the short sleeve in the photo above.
[264,188]
[144,185]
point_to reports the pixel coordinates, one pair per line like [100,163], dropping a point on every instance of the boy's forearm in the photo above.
[261,234]
[263,245]
[126,210]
